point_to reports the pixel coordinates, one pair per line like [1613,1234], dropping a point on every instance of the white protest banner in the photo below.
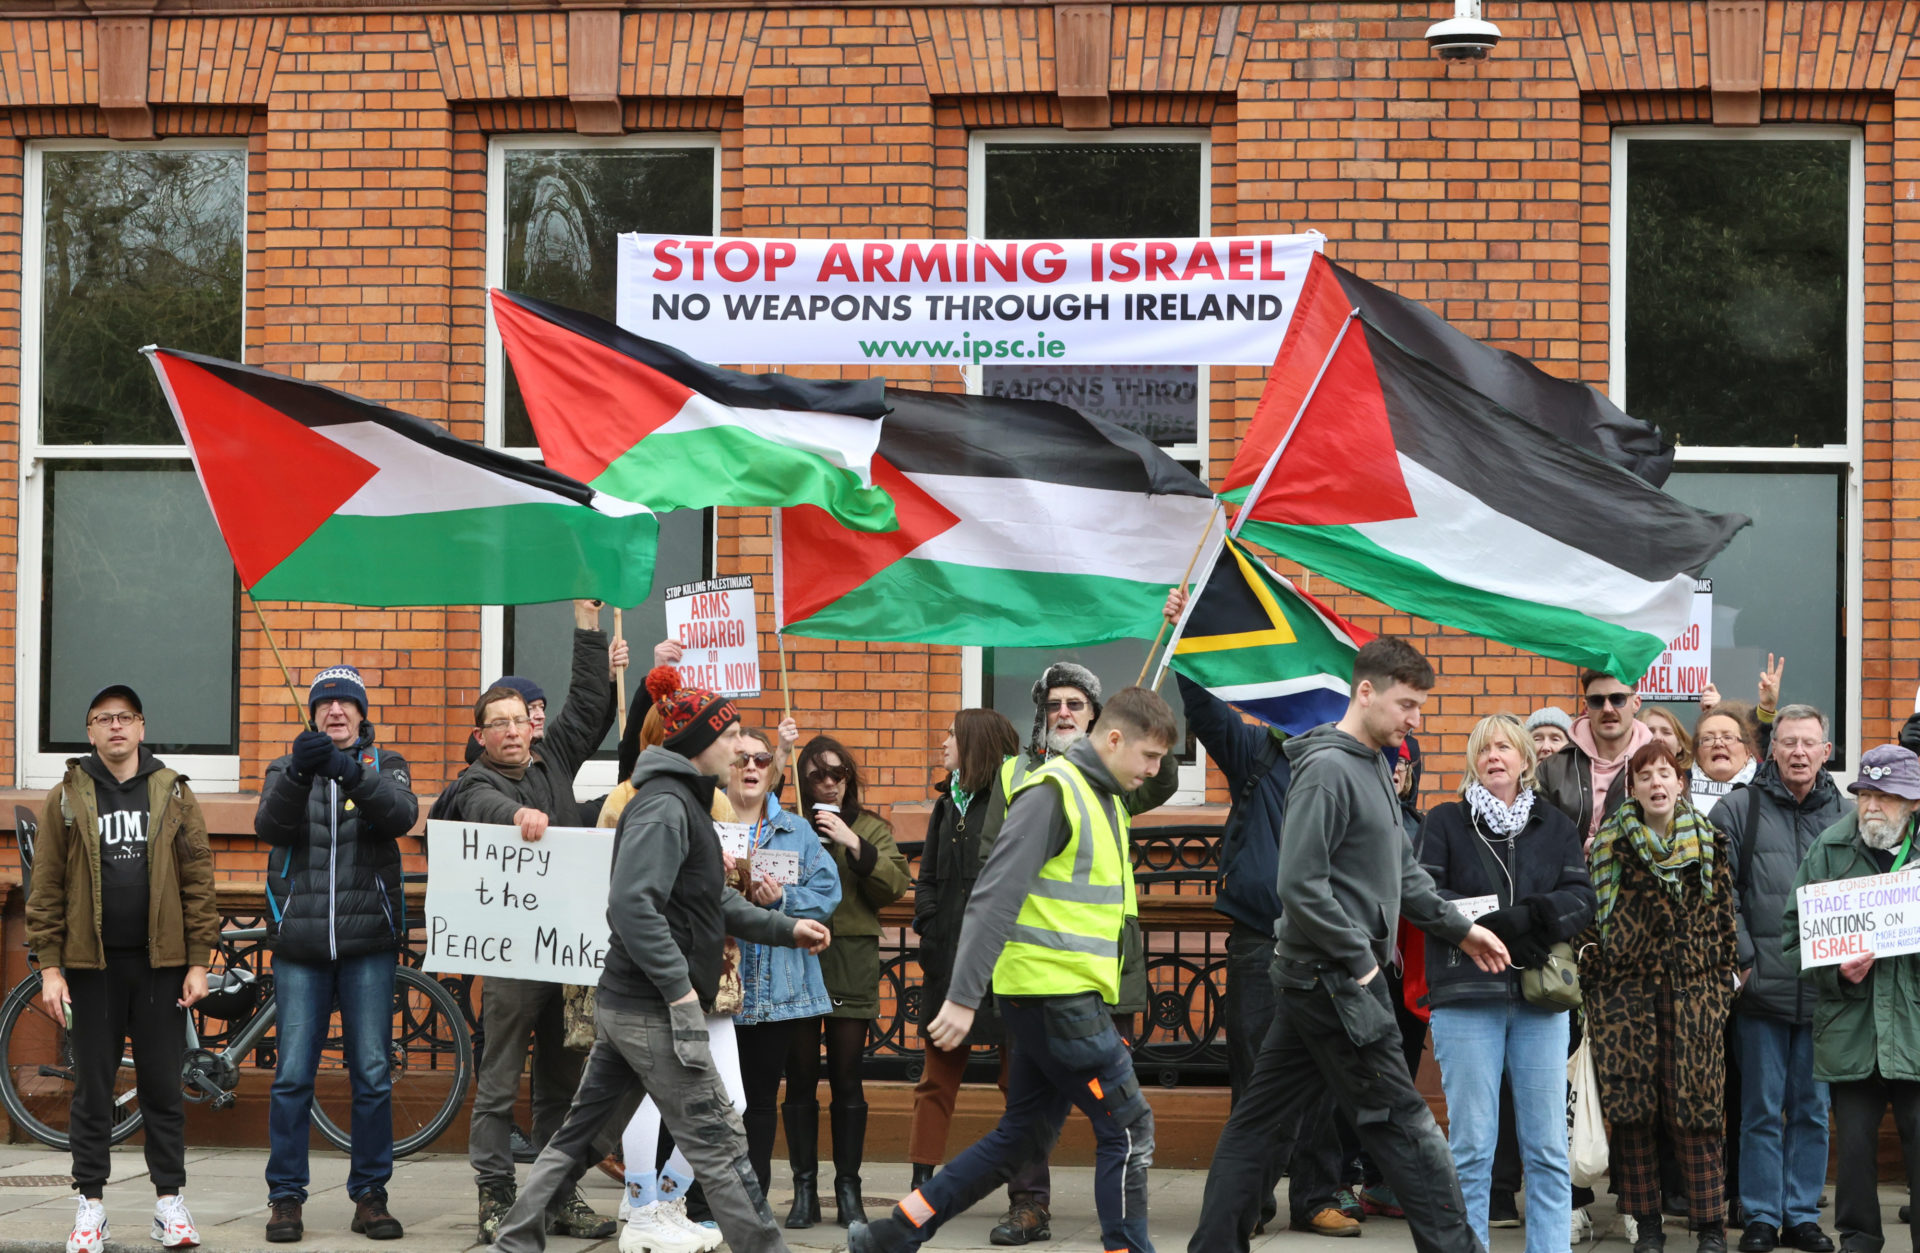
[714,622]
[1683,671]
[499,905]
[1879,914]
[1222,301]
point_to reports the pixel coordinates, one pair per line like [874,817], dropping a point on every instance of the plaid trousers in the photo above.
[1701,1154]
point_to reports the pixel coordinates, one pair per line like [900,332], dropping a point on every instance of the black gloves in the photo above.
[314,754]
[1509,923]
[311,749]
[1517,927]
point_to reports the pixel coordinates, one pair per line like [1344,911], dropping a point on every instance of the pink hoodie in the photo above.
[1604,771]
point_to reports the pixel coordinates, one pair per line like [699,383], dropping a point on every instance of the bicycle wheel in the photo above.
[432,1059]
[36,1084]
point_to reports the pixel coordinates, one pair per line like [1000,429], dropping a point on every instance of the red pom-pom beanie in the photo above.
[693,717]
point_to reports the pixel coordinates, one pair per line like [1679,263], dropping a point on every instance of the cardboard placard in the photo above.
[1847,918]
[501,905]
[1685,667]
[715,623]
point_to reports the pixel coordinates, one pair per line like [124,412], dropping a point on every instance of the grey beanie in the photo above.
[1061,674]
[1551,716]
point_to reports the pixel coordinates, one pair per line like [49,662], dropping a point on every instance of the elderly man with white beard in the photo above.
[1866,1043]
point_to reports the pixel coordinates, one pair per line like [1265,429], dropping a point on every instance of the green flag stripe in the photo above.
[731,465]
[509,555]
[1344,555]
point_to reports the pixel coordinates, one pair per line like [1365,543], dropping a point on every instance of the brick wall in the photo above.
[1480,189]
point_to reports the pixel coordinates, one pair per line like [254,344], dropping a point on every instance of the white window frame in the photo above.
[1852,453]
[1193,776]
[36,769]
[595,777]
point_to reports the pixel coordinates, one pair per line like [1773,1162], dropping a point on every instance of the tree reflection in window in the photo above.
[567,207]
[1736,290]
[138,247]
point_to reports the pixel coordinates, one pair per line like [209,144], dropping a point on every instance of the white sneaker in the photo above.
[1632,1228]
[89,1228]
[1582,1226]
[708,1234]
[626,1203]
[172,1225]
[648,1231]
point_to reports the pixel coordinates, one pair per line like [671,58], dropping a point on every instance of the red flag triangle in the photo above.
[1341,466]
[821,561]
[270,479]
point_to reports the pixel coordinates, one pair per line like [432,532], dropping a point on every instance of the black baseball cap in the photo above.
[121,690]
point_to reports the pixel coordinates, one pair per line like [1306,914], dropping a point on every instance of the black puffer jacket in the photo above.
[1541,876]
[335,861]
[1765,866]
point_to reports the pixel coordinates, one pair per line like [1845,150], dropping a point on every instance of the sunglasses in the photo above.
[762,760]
[1617,699]
[827,774]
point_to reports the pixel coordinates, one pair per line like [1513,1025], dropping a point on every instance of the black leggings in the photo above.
[763,1060]
[846,1051]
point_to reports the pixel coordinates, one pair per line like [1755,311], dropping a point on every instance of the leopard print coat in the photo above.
[1688,944]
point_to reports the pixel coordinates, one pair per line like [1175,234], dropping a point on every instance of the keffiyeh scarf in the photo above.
[1496,815]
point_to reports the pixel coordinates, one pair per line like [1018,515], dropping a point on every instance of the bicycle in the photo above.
[432,1052]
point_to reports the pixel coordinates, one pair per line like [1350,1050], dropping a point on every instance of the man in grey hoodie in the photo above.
[1347,874]
[669,910]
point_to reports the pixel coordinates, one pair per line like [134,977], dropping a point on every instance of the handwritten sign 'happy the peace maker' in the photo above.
[498,905]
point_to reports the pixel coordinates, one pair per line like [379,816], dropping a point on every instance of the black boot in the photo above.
[1648,1238]
[849,1141]
[921,1173]
[803,1151]
[883,1236]
[1712,1239]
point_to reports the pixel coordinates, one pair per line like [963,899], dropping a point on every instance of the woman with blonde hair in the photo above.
[1666,728]
[1512,853]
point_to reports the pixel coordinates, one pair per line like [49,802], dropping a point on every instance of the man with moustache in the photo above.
[1587,779]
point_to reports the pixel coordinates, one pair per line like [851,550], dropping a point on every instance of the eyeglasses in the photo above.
[1790,745]
[1071,706]
[1726,738]
[500,724]
[1601,700]
[113,720]
[827,774]
[762,760]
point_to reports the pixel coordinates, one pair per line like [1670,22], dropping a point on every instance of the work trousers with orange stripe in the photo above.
[1066,1055]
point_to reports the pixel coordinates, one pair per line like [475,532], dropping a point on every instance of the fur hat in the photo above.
[1061,674]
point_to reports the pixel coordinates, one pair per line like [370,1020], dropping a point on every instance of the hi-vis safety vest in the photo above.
[1066,938]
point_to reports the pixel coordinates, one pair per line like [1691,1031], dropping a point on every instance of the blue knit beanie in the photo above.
[338,683]
[528,689]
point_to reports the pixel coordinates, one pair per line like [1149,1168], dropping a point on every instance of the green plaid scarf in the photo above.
[1690,840]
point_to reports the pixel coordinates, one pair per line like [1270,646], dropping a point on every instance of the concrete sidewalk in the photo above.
[434,1196]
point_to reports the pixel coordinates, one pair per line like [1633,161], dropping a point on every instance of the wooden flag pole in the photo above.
[786,701]
[293,693]
[1206,532]
[620,678]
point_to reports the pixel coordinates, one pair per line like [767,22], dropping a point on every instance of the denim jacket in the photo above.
[783,983]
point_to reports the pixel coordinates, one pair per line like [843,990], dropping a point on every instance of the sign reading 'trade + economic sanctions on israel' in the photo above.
[1849,918]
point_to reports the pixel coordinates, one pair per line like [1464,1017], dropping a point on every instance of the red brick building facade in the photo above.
[1490,190]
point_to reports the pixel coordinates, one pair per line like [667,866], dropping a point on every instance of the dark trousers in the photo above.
[512,1012]
[763,1063]
[1313,1166]
[1308,1052]
[1352,1161]
[128,1001]
[1858,1108]
[1061,1061]
[933,1099]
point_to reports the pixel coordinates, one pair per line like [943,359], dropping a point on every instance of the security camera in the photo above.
[1464,36]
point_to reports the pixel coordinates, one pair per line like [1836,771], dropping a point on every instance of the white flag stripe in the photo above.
[833,437]
[1461,539]
[1025,524]
[1235,693]
[416,479]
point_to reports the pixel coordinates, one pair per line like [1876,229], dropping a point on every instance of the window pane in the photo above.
[565,211]
[539,638]
[1736,317]
[139,590]
[1092,191]
[1012,672]
[1161,402]
[1776,587]
[139,247]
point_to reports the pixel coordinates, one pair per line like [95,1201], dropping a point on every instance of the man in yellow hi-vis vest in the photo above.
[1044,925]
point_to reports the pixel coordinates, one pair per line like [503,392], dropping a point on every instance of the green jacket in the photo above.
[63,914]
[877,880]
[1862,1027]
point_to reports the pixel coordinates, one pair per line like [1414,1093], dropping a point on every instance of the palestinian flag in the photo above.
[1265,647]
[323,496]
[1405,484]
[1022,523]
[645,422]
